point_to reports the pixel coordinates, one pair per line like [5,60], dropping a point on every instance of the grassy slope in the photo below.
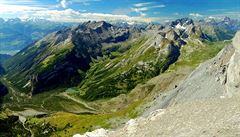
[120,72]
[67,124]
[50,102]
[192,55]
[41,63]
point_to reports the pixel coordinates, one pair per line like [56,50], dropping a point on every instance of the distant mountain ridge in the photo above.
[223,29]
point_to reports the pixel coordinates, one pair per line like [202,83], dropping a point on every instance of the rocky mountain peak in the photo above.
[186,27]
[97,24]
[182,22]
[172,35]
[226,19]
[14,20]
[104,24]
[154,27]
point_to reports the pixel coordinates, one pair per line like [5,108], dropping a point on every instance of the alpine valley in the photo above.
[126,78]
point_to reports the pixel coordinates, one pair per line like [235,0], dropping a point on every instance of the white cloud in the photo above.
[84,1]
[141,10]
[121,11]
[142,14]
[147,8]
[5,8]
[159,6]
[142,4]
[20,2]
[67,15]
[196,15]
[64,3]
[70,15]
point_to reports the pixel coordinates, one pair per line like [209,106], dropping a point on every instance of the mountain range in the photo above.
[96,74]
[69,55]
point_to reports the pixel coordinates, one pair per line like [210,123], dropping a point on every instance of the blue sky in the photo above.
[119,10]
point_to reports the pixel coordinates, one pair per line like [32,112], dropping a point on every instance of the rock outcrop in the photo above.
[233,71]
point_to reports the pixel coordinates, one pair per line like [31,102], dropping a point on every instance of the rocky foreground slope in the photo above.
[205,104]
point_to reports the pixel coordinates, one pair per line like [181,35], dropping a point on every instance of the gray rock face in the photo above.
[183,22]
[236,41]
[233,72]
[172,35]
